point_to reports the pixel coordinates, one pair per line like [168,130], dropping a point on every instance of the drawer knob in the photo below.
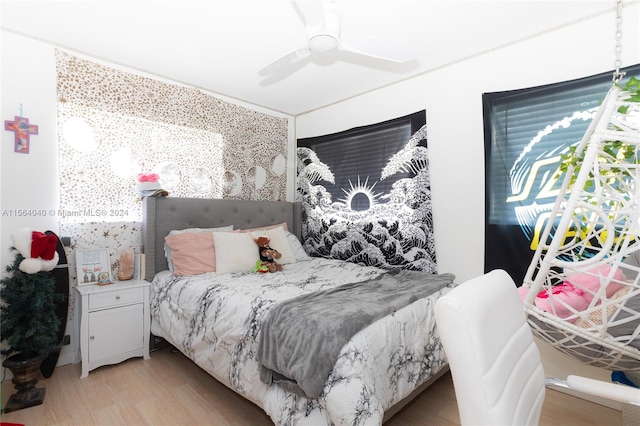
[118,297]
[92,337]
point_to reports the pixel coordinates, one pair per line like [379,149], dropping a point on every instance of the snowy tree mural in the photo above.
[396,231]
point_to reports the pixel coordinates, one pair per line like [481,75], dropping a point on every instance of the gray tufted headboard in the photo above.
[160,215]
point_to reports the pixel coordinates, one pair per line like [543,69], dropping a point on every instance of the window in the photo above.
[526,132]
[360,154]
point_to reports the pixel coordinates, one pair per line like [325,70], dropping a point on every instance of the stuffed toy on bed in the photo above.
[267,255]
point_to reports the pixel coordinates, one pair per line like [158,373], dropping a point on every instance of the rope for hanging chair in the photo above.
[582,289]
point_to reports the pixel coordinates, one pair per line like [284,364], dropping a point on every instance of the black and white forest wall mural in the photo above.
[366,195]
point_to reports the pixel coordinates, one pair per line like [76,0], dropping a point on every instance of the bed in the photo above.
[216,318]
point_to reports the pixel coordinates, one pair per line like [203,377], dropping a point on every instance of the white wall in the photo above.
[29,181]
[452,97]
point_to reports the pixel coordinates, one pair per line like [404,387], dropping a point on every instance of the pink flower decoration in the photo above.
[148,177]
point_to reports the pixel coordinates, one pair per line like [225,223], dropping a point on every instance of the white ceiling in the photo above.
[220,45]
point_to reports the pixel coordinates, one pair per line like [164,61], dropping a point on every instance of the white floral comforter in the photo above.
[215,319]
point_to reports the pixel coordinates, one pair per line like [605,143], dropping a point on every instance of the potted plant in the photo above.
[28,322]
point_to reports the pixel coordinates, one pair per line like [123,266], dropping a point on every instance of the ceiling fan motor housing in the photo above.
[322,43]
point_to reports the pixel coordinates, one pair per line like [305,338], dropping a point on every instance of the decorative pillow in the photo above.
[278,241]
[576,292]
[167,249]
[235,252]
[296,247]
[589,281]
[264,228]
[192,253]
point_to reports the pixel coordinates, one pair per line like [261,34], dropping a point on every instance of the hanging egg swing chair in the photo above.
[581,291]
[583,284]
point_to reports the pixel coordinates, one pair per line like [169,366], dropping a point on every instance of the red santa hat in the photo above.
[37,248]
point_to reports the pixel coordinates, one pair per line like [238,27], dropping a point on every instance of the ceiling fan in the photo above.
[323,25]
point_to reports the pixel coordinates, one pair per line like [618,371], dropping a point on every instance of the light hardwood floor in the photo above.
[169,389]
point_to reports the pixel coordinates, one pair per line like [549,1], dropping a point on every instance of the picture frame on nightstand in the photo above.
[93,266]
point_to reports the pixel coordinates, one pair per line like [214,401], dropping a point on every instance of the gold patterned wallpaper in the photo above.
[113,125]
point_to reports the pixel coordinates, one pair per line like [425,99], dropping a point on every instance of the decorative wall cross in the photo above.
[23,131]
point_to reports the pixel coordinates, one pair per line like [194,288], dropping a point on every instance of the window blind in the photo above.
[361,153]
[526,132]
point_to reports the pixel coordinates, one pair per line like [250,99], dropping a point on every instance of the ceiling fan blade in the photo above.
[323,24]
[280,64]
[315,14]
[380,48]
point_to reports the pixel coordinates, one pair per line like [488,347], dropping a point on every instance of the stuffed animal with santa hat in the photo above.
[37,248]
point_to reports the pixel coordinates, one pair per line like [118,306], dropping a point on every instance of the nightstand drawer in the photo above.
[115,298]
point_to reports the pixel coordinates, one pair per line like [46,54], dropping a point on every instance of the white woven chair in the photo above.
[593,235]
[495,364]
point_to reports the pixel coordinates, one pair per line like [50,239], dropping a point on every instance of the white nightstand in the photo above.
[114,323]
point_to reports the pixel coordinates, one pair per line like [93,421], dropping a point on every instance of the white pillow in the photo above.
[167,249]
[296,247]
[278,241]
[235,252]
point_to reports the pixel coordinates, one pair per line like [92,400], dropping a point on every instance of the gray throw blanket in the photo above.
[301,338]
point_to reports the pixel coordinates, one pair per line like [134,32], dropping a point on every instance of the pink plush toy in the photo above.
[576,292]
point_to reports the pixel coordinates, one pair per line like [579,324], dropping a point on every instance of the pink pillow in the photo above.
[283,224]
[589,281]
[562,297]
[192,253]
[577,291]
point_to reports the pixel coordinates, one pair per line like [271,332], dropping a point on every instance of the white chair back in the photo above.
[495,364]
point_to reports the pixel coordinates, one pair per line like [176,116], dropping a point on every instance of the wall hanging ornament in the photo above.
[22,130]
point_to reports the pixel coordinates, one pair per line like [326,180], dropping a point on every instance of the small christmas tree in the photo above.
[29,324]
